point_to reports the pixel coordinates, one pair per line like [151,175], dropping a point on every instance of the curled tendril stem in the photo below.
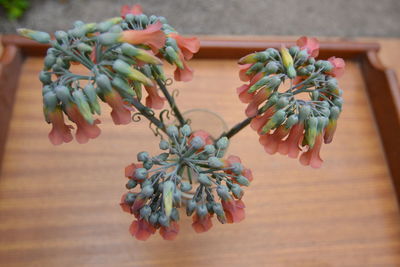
[171,102]
[146,112]
[136,117]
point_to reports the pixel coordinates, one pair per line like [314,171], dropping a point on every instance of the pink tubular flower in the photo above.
[259,97]
[141,229]
[185,74]
[130,170]
[153,99]
[201,224]
[235,159]
[259,121]
[244,96]
[187,45]
[119,114]
[338,66]
[60,132]
[242,72]
[124,206]
[312,157]
[170,233]
[85,131]
[291,146]
[139,202]
[330,130]
[234,210]
[135,10]
[152,36]
[271,142]
[311,44]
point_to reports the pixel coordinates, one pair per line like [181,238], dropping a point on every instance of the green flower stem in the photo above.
[171,102]
[237,128]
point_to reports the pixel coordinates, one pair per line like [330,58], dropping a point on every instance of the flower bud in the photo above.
[204,180]
[153,219]
[163,220]
[223,192]
[291,121]
[168,196]
[237,191]
[130,198]
[332,84]
[175,215]
[147,191]
[164,145]
[61,36]
[106,25]
[197,142]
[311,131]
[215,162]
[210,149]
[271,68]
[141,54]
[222,143]
[324,65]
[45,77]
[49,61]
[41,37]
[103,82]
[302,57]
[122,86]
[50,100]
[131,184]
[269,82]
[148,164]
[185,130]
[304,112]
[322,123]
[338,102]
[201,210]
[282,102]
[272,52]
[125,70]
[173,57]
[90,94]
[143,156]
[177,197]
[140,173]
[172,131]
[294,50]
[242,180]
[287,62]
[190,207]
[217,208]
[80,100]
[237,168]
[256,67]
[185,187]
[145,212]
[277,119]
[84,48]
[63,94]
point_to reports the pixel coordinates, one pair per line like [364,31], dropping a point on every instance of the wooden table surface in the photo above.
[59,205]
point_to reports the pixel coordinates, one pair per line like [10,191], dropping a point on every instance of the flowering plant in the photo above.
[125,54]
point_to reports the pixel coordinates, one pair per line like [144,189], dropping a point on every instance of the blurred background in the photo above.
[345,18]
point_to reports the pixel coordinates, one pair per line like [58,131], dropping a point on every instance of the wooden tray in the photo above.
[59,205]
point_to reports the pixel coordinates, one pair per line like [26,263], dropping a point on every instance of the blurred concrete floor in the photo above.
[345,18]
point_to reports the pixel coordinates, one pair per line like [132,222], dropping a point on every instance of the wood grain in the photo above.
[59,205]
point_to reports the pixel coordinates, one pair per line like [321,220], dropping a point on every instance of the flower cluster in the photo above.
[285,122]
[191,172]
[121,56]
